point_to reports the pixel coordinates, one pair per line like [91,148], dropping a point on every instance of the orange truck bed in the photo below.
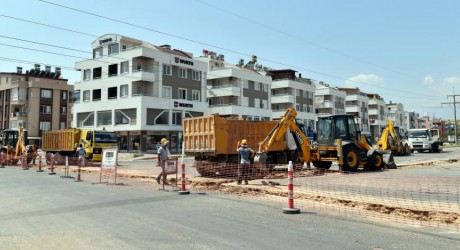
[214,135]
[60,140]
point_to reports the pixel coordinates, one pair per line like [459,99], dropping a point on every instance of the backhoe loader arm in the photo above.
[287,122]
[384,141]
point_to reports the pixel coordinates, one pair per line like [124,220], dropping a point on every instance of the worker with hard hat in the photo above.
[245,153]
[163,155]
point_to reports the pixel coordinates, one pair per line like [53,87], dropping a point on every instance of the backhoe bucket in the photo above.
[388,160]
[260,158]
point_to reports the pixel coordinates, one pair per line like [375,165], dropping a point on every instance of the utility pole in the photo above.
[455,113]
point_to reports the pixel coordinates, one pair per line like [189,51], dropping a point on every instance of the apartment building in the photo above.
[425,121]
[356,104]
[395,113]
[377,114]
[289,90]
[328,100]
[140,90]
[36,100]
[411,120]
[236,90]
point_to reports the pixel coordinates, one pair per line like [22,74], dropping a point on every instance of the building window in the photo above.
[62,125]
[162,118]
[256,102]
[124,90]
[113,70]
[113,49]
[63,110]
[46,93]
[195,95]
[297,107]
[245,101]
[45,126]
[97,53]
[167,69]
[182,94]
[86,74]
[310,108]
[14,94]
[298,92]
[86,94]
[139,66]
[304,106]
[257,86]
[265,87]
[245,84]
[124,67]
[124,47]
[63,95]
[182,73]
[45,109]
[76,96]
[112,93]
[196,75]
[177,117]
[96,94]
[167,91]
[265,104]
[97,73]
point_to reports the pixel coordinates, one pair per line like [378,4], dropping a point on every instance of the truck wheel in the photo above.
[375,162]
[406,150]
[350,159]
[322,164]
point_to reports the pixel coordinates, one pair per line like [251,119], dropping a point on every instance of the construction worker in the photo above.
[163,155]
[246,154]
[81,154]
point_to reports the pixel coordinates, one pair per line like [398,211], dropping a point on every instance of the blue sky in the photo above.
[407,51]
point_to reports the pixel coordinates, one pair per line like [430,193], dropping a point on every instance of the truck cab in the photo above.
[421,140]
[94,140]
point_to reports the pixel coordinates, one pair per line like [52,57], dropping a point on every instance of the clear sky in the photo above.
[406,51]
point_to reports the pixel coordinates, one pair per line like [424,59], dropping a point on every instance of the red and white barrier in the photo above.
[40,163]
[183,191]
[2,163]
[79,171]
[290,209]
[52,165]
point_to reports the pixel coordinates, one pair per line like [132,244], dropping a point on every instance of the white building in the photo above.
[395,113]
[288,90]
[139,90]
[328,100]
[411,120]
[238,91]
[356,104]
[377,114]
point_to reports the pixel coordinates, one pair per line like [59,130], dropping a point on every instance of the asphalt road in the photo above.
[39,211]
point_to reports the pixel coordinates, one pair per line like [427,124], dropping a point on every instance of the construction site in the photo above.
[338,172]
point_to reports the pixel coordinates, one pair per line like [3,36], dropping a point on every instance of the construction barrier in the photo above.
[183,190]
[2,159]
[290,209]
[52,166]
[40,163]
[169,167]
[79,170]
[66,169]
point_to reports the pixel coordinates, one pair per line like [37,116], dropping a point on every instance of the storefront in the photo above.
[148,141]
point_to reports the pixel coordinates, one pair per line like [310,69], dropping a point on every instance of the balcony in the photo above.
[18,115]
[223,90]
[18,101]
[326,104]
[353,109]
[144,75]
[283,98]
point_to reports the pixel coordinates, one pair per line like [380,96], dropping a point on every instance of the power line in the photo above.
[219,47]
[454,103]
[304,40]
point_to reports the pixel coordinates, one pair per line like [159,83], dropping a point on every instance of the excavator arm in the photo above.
[287,122]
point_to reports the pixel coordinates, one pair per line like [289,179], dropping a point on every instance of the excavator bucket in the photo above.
[388,160]
[260,158]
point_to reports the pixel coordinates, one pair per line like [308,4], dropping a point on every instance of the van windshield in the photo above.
[105,137]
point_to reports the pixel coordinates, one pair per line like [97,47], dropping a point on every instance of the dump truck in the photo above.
[212,141]
[15,145]
[425,140]
[65,142]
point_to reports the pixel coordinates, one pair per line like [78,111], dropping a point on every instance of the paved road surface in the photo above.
[39,211]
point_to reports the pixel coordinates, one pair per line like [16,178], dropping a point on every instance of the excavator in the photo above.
[338,140]
[14,143]
[391,140]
